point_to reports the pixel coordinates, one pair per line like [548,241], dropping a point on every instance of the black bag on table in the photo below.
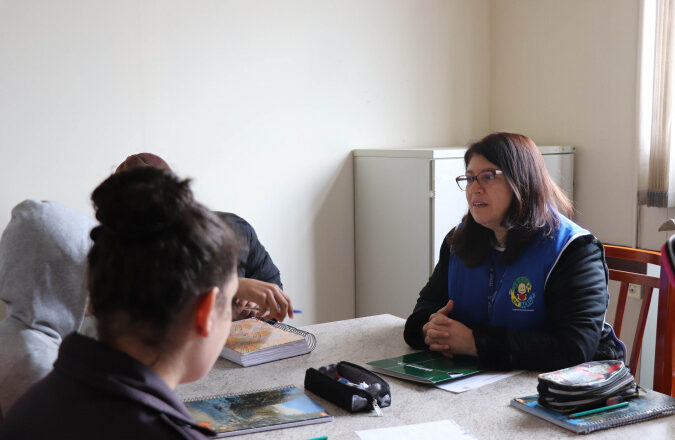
[349,386]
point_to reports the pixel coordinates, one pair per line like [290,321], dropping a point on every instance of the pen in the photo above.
[256,309]
[599,410]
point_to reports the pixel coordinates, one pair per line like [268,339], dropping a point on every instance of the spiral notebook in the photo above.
[254,411]
[647,405]
[255,341]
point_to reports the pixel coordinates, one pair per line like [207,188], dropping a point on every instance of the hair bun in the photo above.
[140,203]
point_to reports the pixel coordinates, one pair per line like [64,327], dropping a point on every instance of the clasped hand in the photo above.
[445,335]
[269,300]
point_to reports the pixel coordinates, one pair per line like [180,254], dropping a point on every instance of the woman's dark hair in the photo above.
[155,251]
[535,199]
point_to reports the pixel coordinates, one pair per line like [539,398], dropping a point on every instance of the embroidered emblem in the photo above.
[521,293]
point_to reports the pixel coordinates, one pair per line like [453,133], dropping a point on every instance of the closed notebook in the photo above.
[427,367]
[254,411]
[648,405]
[254,341]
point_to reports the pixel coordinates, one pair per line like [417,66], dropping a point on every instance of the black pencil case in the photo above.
[585,386]
[349,386]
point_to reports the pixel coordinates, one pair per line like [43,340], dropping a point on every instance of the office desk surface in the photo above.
[484,412]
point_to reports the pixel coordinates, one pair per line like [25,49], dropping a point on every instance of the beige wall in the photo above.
[565,72]
[260,101]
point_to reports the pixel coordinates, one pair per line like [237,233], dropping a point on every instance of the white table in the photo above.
[485,412]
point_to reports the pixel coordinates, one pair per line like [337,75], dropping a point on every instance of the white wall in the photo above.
[565,72]
[260,101]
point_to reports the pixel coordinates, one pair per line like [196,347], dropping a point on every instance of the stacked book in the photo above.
[254,341]
[592,396]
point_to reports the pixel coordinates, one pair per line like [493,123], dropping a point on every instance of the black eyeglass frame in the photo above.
[469,180]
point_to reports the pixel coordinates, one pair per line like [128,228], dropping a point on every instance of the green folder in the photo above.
[427,367]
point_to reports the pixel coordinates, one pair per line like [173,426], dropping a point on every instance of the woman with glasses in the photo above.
[518,284]
[161,277]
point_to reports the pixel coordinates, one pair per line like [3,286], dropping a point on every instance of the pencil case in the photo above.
[587,385]
[349,386]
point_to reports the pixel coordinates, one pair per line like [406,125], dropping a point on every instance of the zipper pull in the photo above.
[377,409]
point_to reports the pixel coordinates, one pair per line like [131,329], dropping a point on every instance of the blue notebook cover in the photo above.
[256,411]
[649,405]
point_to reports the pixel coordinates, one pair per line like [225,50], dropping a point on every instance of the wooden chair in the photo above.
[628,265]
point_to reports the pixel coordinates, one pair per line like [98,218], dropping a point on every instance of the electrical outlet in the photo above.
[635,291]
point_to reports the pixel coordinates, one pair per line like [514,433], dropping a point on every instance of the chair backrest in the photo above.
[628,266]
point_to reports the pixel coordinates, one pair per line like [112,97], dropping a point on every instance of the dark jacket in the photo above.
[576,299]
[254,261]
[98,392]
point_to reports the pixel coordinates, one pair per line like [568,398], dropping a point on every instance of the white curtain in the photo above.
[657,171]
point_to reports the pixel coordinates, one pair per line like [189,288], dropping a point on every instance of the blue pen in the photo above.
[256,309]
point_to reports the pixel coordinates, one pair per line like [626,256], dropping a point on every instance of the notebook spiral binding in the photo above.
[310,338]
[220,396]
[628,419]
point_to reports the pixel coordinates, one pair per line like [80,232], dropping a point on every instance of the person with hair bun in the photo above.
[161,276]
[259,278]
[518,284]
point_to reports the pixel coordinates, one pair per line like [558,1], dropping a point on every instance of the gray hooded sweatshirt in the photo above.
[43,260]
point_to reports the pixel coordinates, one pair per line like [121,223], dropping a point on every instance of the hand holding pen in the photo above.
[269,301]
[256,309]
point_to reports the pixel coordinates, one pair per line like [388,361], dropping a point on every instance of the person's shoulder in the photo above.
[109,425]
[583,255]
[585,243]
[48,219]
[30,208]
[239,225]
[80,414]
[26,356]
[447,241]
[232,219]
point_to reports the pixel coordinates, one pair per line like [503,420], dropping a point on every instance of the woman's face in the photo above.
[488,202]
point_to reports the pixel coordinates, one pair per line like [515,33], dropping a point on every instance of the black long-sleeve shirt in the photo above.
[253,260]
[576,299]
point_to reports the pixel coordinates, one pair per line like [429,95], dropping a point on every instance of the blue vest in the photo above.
[512,296]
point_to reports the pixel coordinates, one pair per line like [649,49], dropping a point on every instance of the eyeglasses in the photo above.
[485,178]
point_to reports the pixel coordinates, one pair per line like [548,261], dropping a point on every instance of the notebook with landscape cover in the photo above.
[254,411]
[255,341]
[648,405]
[427,367]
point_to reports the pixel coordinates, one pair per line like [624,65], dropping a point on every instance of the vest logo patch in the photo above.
[521,293]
